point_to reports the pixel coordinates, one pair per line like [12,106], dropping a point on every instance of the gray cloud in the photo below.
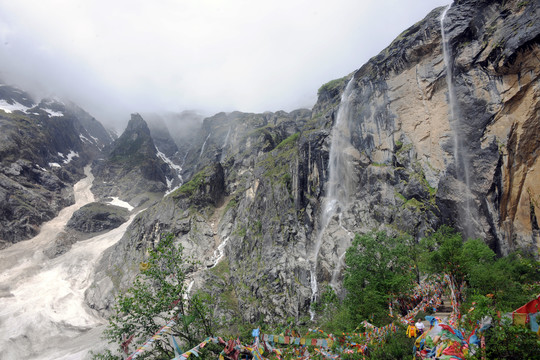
[122,56]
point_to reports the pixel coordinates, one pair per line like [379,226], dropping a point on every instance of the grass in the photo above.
[331,85]
[288,141]
[192,185]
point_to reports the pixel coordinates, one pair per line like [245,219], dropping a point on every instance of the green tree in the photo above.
[505,341]
[377,267]
[443,253]
[158,295]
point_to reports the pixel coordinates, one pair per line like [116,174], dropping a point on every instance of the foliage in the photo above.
[397,346]
[157,295]
[288,141]
[377,266]
[443,252]
[473,263]
[505,341]
[332,314]
[331,85]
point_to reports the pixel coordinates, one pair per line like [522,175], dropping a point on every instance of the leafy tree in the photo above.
[157,295]
[377,266]
[505,341]
[443,252]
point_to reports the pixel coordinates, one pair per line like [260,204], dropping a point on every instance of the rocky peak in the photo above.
[161,135]
[134,143]
[137,125]
[133,169]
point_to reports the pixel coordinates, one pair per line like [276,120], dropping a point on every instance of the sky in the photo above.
[116,57]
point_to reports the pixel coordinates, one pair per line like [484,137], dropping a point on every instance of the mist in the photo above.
[116,58]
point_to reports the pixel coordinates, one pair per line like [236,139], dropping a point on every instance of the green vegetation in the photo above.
[379,265]
[522,4]
[288,141]
[189,188]
[158,295]
[379,268]
[332,85]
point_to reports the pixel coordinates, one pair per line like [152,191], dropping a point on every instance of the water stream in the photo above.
[204,145]
[462,163]
[340,180]
[224,147]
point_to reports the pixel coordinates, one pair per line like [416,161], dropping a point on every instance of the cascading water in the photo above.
[204,145]
[42,309]
[340,179]
[225,143]
[460,155]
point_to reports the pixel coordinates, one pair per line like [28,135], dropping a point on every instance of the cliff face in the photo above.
[43,148]
[482,162]
[415,138]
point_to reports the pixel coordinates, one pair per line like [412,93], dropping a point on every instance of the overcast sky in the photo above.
[115,57]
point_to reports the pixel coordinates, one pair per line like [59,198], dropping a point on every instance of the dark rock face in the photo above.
[43,149]
[96,217]
[161,136]
[132,166]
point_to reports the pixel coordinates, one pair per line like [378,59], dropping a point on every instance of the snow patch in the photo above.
[116,201]
[70,156]
[53,113]
[176,168]
[172,190]
[53,164]
[9,108]
[84,138]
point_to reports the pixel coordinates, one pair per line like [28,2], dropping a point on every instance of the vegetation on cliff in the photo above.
[159,294]
[380,269]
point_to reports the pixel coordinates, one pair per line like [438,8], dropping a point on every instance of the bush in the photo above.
[397,346]
[157,295]
[505,341]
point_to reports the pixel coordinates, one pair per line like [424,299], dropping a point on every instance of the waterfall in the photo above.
[225,143]
[340,180]
[204,145]
[462,164]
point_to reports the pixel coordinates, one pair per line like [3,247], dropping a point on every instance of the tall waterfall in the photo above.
[462,163]
[204,144]
[224,147]
[340,179]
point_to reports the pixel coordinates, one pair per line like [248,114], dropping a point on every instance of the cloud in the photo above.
[117,57]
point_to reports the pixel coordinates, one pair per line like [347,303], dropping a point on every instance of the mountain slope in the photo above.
[43,149]
[420,136]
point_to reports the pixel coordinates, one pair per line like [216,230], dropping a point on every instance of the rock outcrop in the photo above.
[96,217]
[132,169]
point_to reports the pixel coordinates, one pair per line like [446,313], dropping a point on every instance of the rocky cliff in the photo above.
[440,128]
[132,168]
[43,148]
